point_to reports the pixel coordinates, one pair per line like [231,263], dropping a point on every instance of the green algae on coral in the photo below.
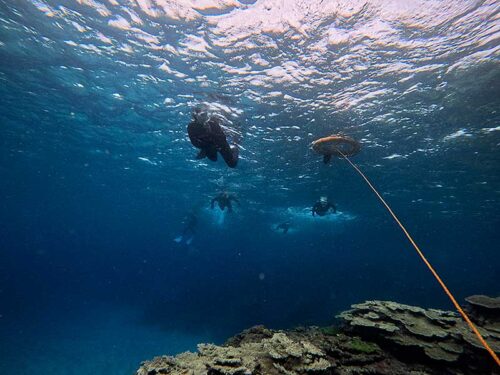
[362,346]
[330,330]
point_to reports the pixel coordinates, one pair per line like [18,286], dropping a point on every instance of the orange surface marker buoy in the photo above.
[336,145]
[327,147]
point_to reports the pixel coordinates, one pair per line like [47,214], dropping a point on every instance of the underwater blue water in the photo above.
[97,173]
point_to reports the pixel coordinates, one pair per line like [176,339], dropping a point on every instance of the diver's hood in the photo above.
[200,113]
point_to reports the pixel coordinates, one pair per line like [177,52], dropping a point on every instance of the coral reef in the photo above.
[431,336]
[363,346]
[376,337]
[484,310]
[485,302]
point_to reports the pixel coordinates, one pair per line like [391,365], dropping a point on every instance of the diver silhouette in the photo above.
[284,227]
[224,200]
[206,132]
[323,207]
[187,235]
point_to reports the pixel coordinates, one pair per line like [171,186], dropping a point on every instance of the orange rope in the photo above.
[433,271]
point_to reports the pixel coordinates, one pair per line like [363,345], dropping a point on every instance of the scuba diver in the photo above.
[190,222]
[206,132]
[224,200]
[284,227]
[322,207]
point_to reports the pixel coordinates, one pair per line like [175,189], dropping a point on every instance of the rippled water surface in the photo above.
[97,171]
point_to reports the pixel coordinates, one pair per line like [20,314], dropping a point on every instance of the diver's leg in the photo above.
[235,151]
[230,155]
[211,153]
[189,236]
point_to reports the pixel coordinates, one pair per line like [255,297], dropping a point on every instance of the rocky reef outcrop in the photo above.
[484,310]
[374,337]
[438,338]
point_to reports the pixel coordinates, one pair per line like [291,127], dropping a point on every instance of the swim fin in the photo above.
[202,154]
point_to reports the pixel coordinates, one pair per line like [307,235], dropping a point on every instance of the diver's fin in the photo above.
[202,154]
[327,158]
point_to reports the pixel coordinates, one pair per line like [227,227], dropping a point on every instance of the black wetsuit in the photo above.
[190,223]
[210,138]
[224,200]
[321,208]
[284,227]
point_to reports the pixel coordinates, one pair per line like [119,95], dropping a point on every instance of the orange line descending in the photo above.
[433,271]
